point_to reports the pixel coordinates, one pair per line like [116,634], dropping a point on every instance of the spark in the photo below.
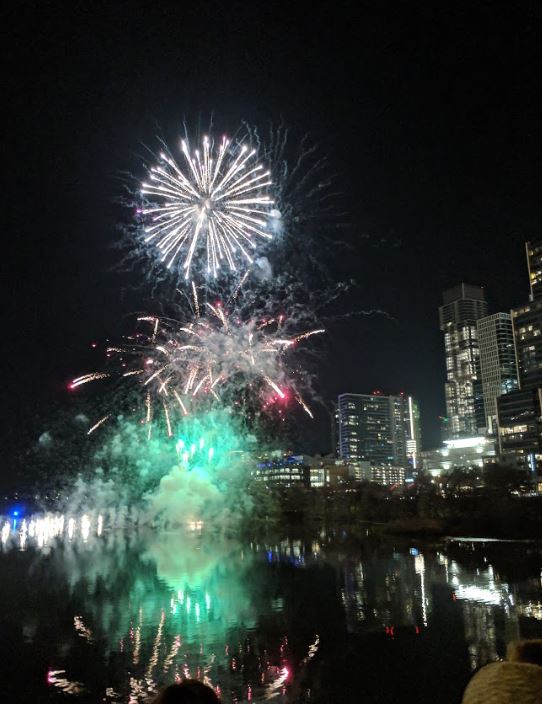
[100,422]
[166,413]
[214,209]
[196,302]
[304,406]
[86,378]
[310,333]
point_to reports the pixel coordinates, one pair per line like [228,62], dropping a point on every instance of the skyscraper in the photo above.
[497,362]
[462,306]
[378,429]
[520,413]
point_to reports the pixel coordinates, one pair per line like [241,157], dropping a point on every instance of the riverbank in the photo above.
[487,513]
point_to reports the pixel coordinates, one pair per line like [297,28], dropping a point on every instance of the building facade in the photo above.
[520,427]
[387,475]
[285,470]
[463,306]
[497,362]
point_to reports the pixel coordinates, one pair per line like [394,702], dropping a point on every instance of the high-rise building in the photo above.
[365,428]
[520,412]
[497,362]
[382,430]
[463,306]
[533,250]
[527,323]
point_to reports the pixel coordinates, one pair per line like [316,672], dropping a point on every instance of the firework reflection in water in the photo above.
[164,606]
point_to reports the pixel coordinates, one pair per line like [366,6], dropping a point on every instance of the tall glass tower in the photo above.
[462,306]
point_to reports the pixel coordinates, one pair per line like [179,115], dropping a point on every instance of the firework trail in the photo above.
[216,209]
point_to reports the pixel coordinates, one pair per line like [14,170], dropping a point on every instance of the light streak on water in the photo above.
[156,647]
[172,653]
[71,527]
[419,566]
[6,528]
[81,629]
[55,678]
[85,527]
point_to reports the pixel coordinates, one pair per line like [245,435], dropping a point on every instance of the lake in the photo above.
[92,613]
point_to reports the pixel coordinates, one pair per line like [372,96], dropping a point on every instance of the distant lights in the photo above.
[459,443]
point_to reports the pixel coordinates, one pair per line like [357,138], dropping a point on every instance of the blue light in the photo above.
[17,511]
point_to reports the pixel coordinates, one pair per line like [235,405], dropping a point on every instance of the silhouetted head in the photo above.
[509,682]
[187,692]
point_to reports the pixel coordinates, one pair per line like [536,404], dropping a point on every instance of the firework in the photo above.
[215,356]
[211,214]
[219,353]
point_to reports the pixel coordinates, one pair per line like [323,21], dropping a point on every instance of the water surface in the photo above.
[100,614]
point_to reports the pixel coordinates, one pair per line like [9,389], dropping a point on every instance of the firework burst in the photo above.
[213,213]
[215,356]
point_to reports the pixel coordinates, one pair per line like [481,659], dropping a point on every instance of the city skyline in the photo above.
[426,201]
[493,390]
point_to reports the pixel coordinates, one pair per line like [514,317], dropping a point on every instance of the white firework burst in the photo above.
[213,213]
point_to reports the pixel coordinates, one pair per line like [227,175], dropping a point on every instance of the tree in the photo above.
[506,478]
[461,480]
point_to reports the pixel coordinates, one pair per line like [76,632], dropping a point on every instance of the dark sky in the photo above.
[429,112]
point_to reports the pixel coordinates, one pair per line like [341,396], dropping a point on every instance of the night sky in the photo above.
[429,114]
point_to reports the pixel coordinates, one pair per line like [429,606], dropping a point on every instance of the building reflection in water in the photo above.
[153,607]
[393,591]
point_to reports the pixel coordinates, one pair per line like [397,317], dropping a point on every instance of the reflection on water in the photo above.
[111,614]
